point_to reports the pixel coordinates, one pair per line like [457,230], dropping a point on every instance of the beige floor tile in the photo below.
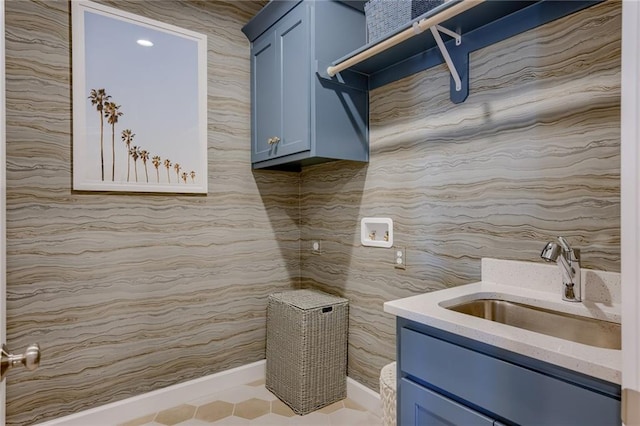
[370,420]
[205,399]
[252,408]
[272,420]
[280,408]
[175,415]
[377,411]
[347,416]
[261,392]
[233,421]
[348,403]
[238,394]
[332,407]
[312,419]
[140,420]
[214,411]
[194,422]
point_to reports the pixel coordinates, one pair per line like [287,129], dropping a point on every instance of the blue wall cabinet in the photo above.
[448,379]
[297,117]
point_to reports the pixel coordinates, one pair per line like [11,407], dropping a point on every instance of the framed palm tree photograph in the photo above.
[139,103]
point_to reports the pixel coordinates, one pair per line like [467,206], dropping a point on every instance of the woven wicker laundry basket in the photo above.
[384,17]
[388,394]
[307,349]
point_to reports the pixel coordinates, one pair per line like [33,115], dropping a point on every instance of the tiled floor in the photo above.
[253,404]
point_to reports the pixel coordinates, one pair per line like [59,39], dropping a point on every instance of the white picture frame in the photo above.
[139,103]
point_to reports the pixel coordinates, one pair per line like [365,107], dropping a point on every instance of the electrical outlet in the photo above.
[400,257]
[316,247]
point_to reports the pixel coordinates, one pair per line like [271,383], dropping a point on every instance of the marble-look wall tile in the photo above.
[533,153]
[131,293]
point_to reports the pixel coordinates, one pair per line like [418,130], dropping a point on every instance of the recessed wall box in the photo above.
[376,232]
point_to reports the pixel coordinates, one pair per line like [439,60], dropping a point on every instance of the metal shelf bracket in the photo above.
[454,35]
[435,31]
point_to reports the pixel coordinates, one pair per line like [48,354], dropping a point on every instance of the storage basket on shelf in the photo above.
[420,7]
[307,349]
[383,17]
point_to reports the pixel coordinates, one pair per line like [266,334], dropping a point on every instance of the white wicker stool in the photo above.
[388,394]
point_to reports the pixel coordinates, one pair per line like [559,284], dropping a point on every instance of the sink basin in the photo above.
[589,331]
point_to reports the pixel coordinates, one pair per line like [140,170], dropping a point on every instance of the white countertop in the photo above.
[533,284]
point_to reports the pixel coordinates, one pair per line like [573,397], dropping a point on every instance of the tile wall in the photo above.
[131,293]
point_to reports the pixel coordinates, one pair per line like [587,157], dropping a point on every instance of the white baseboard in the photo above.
[151,402]
[362,395]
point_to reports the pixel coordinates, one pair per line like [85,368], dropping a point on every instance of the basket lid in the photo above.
[307,299]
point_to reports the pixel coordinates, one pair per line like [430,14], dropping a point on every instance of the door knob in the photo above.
[30,359]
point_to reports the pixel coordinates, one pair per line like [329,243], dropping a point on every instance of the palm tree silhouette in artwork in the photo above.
[177,168]
[112,112]
[109,110]
[156,163]
[98,98]
[127,138]
[144,156]
[135,154]
[167,164]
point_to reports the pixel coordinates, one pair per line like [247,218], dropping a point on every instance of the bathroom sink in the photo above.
[589,331]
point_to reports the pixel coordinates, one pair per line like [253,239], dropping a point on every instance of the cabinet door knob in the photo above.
[274,140]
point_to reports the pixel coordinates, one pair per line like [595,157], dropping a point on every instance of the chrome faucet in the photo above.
[568,260]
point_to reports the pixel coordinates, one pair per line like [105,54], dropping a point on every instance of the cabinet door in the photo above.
[293,38]
[265,96]
[420,406]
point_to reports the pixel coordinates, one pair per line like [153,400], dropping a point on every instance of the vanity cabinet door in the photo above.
[421,406]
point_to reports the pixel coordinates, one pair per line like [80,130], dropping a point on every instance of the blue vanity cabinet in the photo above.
[420,406]
[447,379]
[298,118]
